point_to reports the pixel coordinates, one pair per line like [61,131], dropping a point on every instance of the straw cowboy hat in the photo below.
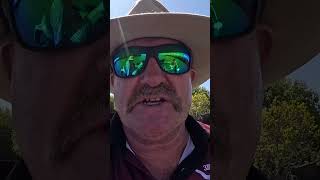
[149,18]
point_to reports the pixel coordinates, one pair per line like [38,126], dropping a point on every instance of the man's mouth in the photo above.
[148,96]
[153,101]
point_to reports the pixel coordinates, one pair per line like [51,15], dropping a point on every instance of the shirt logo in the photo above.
[204,175]
[206,167]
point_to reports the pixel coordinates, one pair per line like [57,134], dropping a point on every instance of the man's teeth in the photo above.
[152,101]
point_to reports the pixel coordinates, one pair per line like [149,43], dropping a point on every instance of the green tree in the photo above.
[290,129]
[200,102]
[289,90]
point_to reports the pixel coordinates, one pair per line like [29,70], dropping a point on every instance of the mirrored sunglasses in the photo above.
[172,58]
[53,24]
[232,18]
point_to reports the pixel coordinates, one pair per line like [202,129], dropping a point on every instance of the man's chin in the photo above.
[154,124]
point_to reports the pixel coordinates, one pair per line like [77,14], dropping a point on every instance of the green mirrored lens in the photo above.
[129,65]
[59,23]
[174,62]
[228,18]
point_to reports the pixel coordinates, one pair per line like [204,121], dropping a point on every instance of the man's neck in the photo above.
[160,155]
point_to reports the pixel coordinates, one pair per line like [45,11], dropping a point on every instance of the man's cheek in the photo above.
[116,102]
[120,102]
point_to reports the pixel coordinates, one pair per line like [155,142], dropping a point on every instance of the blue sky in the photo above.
[122,7]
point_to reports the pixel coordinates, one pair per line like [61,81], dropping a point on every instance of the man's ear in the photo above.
[6,64]
[264,38]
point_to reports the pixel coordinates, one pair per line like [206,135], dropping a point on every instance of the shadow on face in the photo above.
[60,110]
[238,101]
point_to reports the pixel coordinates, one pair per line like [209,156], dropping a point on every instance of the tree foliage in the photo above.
[200,102]
[289,90]
[290,131]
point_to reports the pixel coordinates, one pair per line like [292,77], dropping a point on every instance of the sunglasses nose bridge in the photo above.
[153,75]
[153,68]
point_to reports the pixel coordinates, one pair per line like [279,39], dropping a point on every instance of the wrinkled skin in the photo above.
[60,97]
[238,96]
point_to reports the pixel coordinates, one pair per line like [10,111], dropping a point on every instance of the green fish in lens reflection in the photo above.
[45,34]
[133,62]
[172,61]
[128,64]
[50,29]
[217,24]
[56,18]
[91,14]
[228,16]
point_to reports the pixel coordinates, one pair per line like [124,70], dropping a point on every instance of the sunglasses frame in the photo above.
[254,19]
[8,12]
[152,52]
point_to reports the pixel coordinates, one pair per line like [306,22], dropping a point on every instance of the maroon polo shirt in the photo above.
[126,166]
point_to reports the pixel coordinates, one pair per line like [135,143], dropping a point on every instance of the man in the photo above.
[157,57]
[251,48]
[53,58]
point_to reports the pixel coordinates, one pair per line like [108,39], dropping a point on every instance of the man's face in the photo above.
[59,110]
[238,99]
[175,92]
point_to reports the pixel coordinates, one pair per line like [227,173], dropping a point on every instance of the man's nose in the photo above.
[153,75]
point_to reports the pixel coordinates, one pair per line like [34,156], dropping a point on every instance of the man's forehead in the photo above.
[150,41]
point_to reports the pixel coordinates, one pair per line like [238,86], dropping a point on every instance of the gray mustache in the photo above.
[161,90]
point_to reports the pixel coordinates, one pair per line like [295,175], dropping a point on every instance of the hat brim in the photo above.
[295,35]
[193,30]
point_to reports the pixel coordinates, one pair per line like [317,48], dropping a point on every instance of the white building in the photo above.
[309,73]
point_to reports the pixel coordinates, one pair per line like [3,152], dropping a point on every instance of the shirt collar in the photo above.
[187,150]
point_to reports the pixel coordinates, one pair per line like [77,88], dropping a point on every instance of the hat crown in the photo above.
[147,6]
